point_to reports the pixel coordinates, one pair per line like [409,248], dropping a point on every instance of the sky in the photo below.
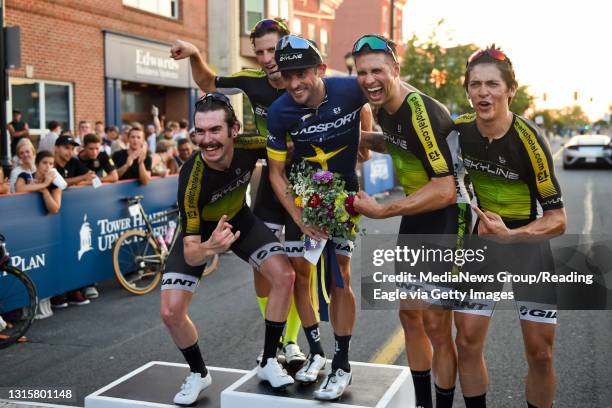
[556,47]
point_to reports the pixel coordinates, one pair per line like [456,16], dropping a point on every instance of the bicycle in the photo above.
[18,300]
[139,256]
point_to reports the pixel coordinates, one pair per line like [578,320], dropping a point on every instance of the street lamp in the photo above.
[349,61]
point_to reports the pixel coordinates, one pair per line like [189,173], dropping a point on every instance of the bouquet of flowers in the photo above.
[324,201]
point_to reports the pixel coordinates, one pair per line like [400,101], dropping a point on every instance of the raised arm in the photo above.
[201,72]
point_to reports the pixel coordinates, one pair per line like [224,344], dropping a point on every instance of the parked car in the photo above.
[587,149]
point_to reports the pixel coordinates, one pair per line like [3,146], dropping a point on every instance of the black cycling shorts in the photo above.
[267,206]
[255,245]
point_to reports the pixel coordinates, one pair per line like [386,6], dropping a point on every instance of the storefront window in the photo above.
[41,102]
[166,8]
[57,103]
[253,13]
[26,98]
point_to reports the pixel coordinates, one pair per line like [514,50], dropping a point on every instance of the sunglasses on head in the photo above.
[215,97]
[268,23]
[375,43]
[491,52]
[297,43]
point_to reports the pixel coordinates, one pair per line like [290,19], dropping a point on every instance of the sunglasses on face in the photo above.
[375,43]
[491,52]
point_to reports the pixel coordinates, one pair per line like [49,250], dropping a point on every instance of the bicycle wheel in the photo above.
[137,262]
[18,302]
[212,266]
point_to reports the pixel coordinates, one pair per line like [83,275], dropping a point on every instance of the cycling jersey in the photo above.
[326,137]
[204,196]
[514,177]
[511,175]
[418,136]
[254,83]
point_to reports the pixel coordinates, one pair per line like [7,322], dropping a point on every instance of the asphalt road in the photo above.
[88,347]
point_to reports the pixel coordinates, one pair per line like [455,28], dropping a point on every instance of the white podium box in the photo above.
[156,383]
[373,386]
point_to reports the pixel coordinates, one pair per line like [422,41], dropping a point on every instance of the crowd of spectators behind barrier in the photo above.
[95,155]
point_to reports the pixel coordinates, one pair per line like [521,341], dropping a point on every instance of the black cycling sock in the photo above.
[341,359]
[274,331]
[194,358]
[529,405]
[479,401]
[444,397]
[313,335]
[422,388]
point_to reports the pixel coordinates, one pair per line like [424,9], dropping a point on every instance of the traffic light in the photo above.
[575,95]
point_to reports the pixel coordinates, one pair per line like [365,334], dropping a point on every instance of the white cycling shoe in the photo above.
[334,385]
[273,373]
[191,388]
[310,370]
[293,355]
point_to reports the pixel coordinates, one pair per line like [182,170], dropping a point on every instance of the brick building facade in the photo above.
[64,47]
[355,18]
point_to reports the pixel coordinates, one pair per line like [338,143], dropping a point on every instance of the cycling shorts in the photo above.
[255,245]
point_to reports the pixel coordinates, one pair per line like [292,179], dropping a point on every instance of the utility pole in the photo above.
[4,137]
[392,22]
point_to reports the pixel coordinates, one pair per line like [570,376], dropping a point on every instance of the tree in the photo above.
[439,71]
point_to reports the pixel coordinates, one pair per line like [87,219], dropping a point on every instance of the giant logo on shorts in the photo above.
[264,253]
[545,314]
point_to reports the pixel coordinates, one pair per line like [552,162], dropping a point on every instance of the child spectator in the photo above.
[163,161]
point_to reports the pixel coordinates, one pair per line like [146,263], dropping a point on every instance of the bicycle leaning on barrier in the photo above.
[139,256]
[18,300]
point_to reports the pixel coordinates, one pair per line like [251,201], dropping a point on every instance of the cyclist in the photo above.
[262,87]
[214,219]
[512,172]
[321,115]
[418,134]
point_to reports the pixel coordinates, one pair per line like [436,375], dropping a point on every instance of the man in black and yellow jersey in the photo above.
[519,204]
[215,218]
[418,134]
[262,87]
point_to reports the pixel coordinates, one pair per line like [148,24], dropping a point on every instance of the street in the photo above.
[88,347]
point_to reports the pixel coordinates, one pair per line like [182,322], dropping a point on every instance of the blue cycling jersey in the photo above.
[327,137]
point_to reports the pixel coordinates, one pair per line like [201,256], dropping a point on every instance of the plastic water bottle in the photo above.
[170,232]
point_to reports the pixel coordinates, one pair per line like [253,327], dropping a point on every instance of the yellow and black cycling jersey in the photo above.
[205,194]
[511,175]
[256,86]
[415,136]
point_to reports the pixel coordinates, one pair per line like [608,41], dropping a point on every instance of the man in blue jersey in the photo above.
[321,115]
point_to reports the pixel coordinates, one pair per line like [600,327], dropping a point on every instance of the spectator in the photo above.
[185,149]
[18,130]
[182,133]
[151,136]
[135,162]
[48,141]
[112,134]
[168,134]
[26,156]
[84,129]
[66,132]
[42,181]
[121,142]
[5,185]
[163,161]
[96,160]
[68,166]
[99,130]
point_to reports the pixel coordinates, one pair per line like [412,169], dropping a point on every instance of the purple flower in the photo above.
[323,176]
